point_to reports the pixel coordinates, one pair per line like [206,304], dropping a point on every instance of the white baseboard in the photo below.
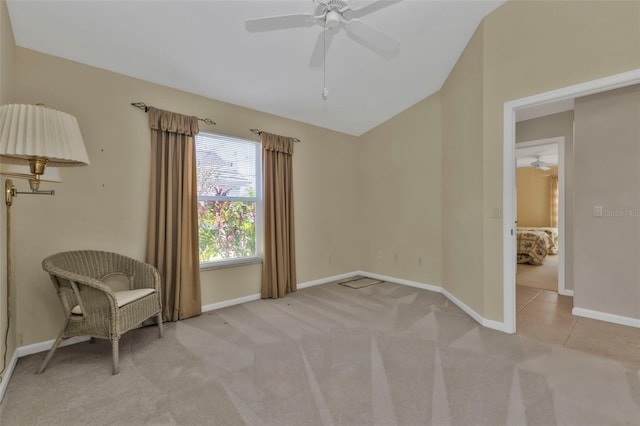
[46,345]
[566,292]
[604,316]
[6,377]
[230,302]
[496,325]
[328,280]
[256,296]
[460,304]
[429,287]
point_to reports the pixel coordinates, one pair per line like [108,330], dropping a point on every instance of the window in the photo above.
[229,199]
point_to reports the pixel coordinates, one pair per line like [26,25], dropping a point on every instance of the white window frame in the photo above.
[257,258]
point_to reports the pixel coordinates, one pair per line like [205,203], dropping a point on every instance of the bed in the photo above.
[552,241]
[535,243]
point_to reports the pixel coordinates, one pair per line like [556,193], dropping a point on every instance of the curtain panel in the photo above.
[279,264]
[172,238]
[553,202]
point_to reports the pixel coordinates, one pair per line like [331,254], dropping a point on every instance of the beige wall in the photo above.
[532,47]
[607,172]
[104,206]
[534,196]
[7,50]
[462,169]
[400,173]
[551,126]
[522,48]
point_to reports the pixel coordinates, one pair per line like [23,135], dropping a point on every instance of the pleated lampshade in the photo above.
[28,131]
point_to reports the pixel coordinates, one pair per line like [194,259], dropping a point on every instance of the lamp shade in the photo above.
[28,131]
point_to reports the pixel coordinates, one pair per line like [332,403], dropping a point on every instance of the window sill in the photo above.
[230,263]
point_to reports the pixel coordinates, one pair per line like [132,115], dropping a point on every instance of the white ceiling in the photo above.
[203,47]
[545,153]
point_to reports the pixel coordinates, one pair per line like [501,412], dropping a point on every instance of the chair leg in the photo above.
[51,351]
[116,357]
[160,329]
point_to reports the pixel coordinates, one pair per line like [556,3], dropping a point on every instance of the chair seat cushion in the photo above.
[122,298]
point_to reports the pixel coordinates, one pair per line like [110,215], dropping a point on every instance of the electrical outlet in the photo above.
[395,257]
[420,261]
[329,258]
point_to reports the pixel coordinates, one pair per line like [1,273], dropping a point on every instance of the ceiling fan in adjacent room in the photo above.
[333,15]
[540,165]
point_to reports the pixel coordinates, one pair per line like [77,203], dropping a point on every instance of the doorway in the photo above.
[540,213]
[509,173]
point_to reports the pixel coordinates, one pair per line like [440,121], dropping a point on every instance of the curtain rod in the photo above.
[142,106]
[259,132]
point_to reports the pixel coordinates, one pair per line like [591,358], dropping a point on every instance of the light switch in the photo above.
[497,213]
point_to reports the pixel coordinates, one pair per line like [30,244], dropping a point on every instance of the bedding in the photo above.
[532,246]
[552,247]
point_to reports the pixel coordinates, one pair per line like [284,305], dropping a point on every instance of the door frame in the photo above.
[508,172]
[562,242]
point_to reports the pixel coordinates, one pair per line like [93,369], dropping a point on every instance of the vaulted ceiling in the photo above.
[203,47]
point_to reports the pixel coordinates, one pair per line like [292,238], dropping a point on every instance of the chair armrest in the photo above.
[80,279]
[72,294]
[145,276]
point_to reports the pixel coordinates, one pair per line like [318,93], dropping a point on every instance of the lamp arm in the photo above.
[39,192]
[10,192]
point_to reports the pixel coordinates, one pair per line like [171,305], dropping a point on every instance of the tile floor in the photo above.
[546,315]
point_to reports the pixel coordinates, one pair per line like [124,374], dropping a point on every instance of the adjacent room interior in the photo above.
[273,213]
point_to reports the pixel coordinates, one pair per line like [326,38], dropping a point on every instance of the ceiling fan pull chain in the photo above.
[325,92]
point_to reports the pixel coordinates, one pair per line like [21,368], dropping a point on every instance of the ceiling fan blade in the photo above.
[283,22]
[318,55]
[372,38]
[372,7]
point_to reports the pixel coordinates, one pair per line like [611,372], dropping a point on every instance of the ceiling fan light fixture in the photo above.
[332,19]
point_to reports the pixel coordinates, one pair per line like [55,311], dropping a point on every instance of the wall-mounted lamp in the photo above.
[38,136]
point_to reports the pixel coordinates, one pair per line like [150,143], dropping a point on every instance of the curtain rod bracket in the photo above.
[259,132]
[143,107]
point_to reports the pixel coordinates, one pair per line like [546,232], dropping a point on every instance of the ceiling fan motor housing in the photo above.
[331,10]
[333,19]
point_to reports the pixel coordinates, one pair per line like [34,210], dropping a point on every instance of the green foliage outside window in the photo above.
[227,228]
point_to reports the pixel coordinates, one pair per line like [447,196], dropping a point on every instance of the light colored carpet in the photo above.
[359,282]
[326,355]
[544,277]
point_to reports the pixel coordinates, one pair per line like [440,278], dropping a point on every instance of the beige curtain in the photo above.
[279,265]
[553,202]
[172,241]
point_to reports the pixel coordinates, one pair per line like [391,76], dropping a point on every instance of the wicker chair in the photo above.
[91,307]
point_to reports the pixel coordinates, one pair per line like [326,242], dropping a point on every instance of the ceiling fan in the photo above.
[541,165]
[333,15]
